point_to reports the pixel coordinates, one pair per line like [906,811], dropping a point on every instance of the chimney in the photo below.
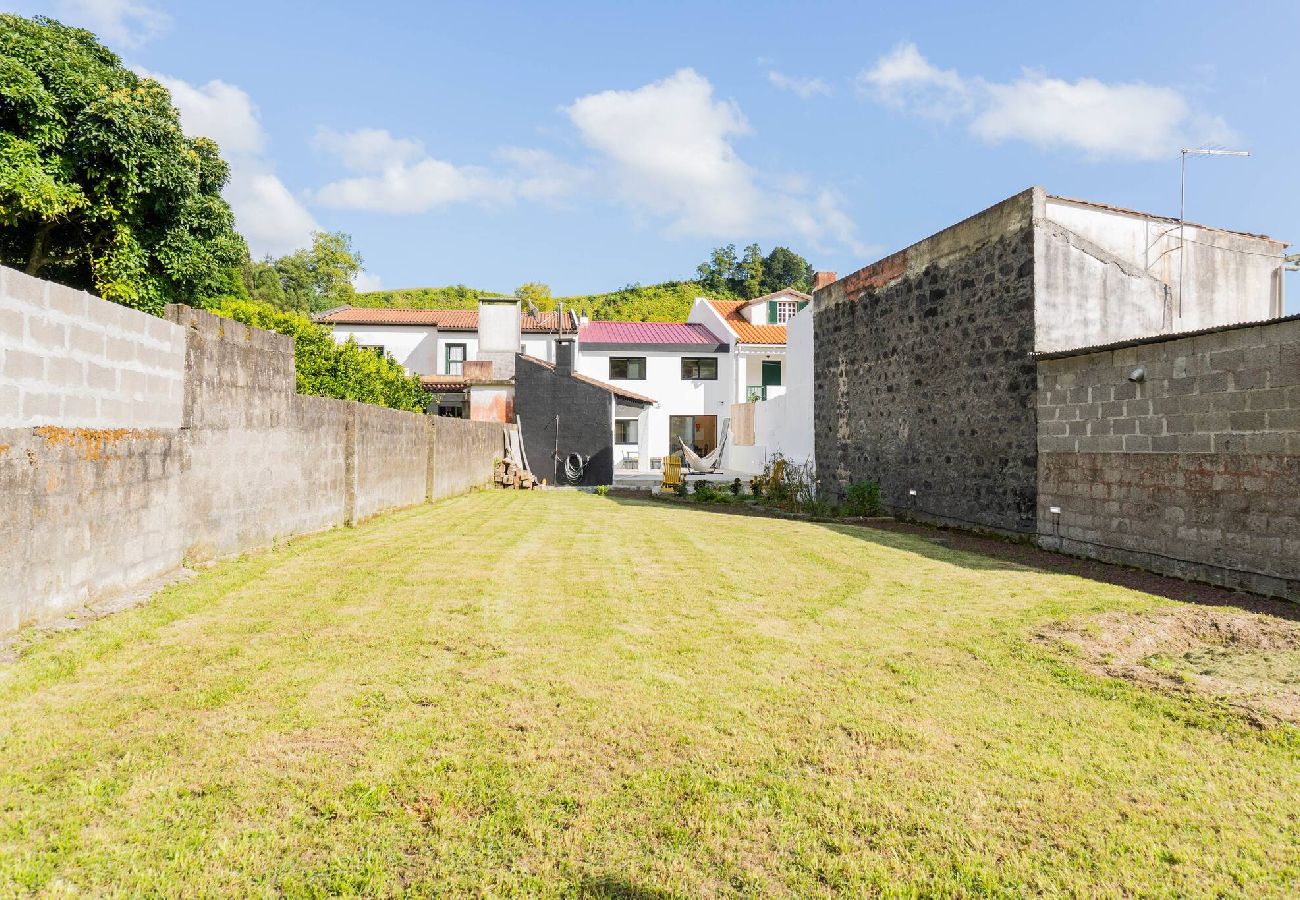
[564,356]
[822,279]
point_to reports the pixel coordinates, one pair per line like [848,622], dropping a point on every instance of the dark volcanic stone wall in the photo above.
[923,377]
[586,422]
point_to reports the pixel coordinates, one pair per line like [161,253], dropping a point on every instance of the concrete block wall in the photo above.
[70,359]
[92,510]
[1193,471]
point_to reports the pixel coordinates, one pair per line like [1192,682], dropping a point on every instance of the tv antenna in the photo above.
[1182,205]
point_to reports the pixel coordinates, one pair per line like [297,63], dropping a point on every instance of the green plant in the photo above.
[329,369]
[705,492]
[602,490]
[736,488]
[863,499]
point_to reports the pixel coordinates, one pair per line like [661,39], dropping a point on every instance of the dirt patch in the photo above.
[1251,661]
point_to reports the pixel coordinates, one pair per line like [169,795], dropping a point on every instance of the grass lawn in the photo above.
[562,694]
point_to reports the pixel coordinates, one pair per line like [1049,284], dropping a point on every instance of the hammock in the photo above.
[704,464]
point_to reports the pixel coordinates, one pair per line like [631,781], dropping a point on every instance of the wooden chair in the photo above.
[672,473]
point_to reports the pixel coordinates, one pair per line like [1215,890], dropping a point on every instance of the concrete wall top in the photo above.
[68,358]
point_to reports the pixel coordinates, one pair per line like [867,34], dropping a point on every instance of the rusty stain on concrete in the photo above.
[90,443]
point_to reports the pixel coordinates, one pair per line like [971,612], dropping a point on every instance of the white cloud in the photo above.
[119,23]
[267,213]
[666,149]
[364,281]
[805,87]
[1116,120]
[368,149]
[396,175]
[903,78]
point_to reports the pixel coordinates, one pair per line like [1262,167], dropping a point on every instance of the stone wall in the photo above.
[586,422]
[924,376]
[1192,471]
[69,358]
[92,510]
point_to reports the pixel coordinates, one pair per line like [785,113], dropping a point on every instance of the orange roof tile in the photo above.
[745,331]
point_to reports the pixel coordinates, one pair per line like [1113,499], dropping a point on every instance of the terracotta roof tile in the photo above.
[444,319]
[745,331]
[436,383]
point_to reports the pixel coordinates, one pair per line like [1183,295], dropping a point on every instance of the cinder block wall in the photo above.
[1194,471]
[68,358]
[924,378]
[91,510]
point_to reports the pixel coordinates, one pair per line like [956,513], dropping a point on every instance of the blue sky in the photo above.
[593,145]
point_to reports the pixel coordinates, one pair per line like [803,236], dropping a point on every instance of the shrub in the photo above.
[602,490]
[736,487]
[329,369]
[863,499]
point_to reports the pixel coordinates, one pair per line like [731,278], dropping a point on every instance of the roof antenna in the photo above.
[1182,204]
[532,311]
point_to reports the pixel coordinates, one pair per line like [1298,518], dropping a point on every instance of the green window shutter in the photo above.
[802,304]
[771,312]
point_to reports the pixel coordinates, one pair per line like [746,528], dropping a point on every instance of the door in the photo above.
[771,373]
[700,433]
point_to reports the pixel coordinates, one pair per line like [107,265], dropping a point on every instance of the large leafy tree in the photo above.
[99,187]
[308,279]
[783,268]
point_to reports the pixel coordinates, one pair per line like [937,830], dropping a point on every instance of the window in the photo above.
[699,368]
[377,349]
[455,359]
[781,311]
[625,431]
[627,368]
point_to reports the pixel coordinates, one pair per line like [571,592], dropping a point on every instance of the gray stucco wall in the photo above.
[1195,471]
[90,511]
[924,379]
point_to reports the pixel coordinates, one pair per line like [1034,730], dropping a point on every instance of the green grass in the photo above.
[562,694]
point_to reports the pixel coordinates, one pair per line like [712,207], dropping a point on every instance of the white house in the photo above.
[685,367]
[436,343]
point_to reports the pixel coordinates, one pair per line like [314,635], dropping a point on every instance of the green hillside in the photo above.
[667,302]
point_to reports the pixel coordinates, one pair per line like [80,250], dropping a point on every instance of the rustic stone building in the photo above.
[942,372]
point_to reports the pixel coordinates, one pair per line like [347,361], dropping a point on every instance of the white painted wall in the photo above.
[1226,277]
[468,338]
[784,422]
[414,346]
[663,382]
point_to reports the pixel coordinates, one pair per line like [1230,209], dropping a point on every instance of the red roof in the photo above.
[670,333]
[444,319]
[747,332]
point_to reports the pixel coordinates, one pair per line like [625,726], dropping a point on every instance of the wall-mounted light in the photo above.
[912,492]
[1138,374]
[1054,510]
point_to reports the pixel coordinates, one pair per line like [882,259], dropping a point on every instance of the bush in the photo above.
[863,499]
[736,488]
[602,490]
[329,369]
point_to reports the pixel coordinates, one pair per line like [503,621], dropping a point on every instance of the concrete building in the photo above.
[437,343]
[1052,368]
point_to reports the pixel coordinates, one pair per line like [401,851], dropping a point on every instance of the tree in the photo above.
[747,280]
[99,187]
[309,279]
[715,275]
[327,368]
[537,293]
[783,268]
